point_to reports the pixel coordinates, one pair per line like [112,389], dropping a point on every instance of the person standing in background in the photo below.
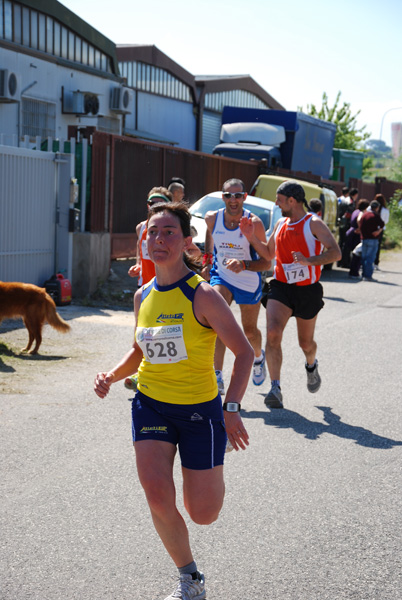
[345,210]
[384,214]
[370,225]
[177,190]
[353,238]
[315,206]
[345,194]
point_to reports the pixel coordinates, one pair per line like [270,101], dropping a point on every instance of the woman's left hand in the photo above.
[235,430]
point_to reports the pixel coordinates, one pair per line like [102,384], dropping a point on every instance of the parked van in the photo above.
[266,185]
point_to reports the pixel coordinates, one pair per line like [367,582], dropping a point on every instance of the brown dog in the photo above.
[34,305]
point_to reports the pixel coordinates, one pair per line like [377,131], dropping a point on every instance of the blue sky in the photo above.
[294,50]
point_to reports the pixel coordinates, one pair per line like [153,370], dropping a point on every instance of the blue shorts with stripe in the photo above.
[198,430]
[239,296]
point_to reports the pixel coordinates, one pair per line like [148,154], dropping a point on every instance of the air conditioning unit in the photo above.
[9,86]
[91,104]
[72,102]
[120,100]
[80,103]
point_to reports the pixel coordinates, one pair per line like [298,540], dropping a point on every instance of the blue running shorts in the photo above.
[239,296]
[198,430]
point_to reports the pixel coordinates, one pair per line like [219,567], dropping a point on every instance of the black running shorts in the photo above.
[305,301]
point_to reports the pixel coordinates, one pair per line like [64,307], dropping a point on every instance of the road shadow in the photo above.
[338,299]
[313,430]
[6,351]
[68,313]
[342,276]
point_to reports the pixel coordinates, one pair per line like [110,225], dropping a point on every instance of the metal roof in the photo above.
[201,84]
[222,83]
[151,55]
[60,12]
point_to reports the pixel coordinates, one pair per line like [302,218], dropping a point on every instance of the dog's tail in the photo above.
[53,317]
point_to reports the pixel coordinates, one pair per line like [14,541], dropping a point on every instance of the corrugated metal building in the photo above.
[176,107]
[59,75]
[57,71]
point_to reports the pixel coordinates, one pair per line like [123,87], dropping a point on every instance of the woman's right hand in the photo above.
[102,384]
[235,430]
[134,271]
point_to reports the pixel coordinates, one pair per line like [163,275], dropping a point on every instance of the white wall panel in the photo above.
[27,215]
[171,119]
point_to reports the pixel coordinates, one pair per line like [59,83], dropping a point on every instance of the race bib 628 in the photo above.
[162,345]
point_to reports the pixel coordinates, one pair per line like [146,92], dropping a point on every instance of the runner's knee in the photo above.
[202,514]
[160,498]
[274,335]
[251,331]
[307,344]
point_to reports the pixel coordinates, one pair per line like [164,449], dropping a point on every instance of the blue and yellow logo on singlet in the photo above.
[172,318]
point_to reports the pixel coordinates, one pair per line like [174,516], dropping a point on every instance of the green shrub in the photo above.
[393,232]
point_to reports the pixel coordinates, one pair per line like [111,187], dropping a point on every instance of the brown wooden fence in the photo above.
[381,186]
[125,169]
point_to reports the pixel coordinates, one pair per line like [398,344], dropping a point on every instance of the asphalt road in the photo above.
[312,509]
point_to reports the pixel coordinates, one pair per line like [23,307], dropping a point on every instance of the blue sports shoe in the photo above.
[260,371]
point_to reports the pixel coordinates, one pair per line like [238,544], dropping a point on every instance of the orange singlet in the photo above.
[296,237]
[147,266]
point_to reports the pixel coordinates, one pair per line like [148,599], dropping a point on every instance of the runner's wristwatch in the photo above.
[232,407]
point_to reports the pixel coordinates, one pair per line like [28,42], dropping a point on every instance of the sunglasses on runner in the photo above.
[237,195]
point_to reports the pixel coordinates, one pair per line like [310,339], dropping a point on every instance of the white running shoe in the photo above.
[219,381]
[189,588]
[260,370]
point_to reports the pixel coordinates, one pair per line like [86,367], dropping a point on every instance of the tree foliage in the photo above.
[396,170]
[378,147]
[393,231]
[348,135]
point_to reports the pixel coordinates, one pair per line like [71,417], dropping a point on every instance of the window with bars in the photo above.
[38,118]
[216,101]
[33,29]
[155,80]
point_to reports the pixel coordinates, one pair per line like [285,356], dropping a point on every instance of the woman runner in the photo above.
[177,406]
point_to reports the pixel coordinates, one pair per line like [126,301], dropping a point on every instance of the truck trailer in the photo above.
[287,139]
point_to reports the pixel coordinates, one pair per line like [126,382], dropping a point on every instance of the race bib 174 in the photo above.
[295,273]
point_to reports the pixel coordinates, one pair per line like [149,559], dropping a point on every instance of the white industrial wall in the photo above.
[34,207]
[211,128]
[43,80]
[171,119]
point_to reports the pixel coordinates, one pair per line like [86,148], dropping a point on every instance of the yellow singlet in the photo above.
[178,362]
